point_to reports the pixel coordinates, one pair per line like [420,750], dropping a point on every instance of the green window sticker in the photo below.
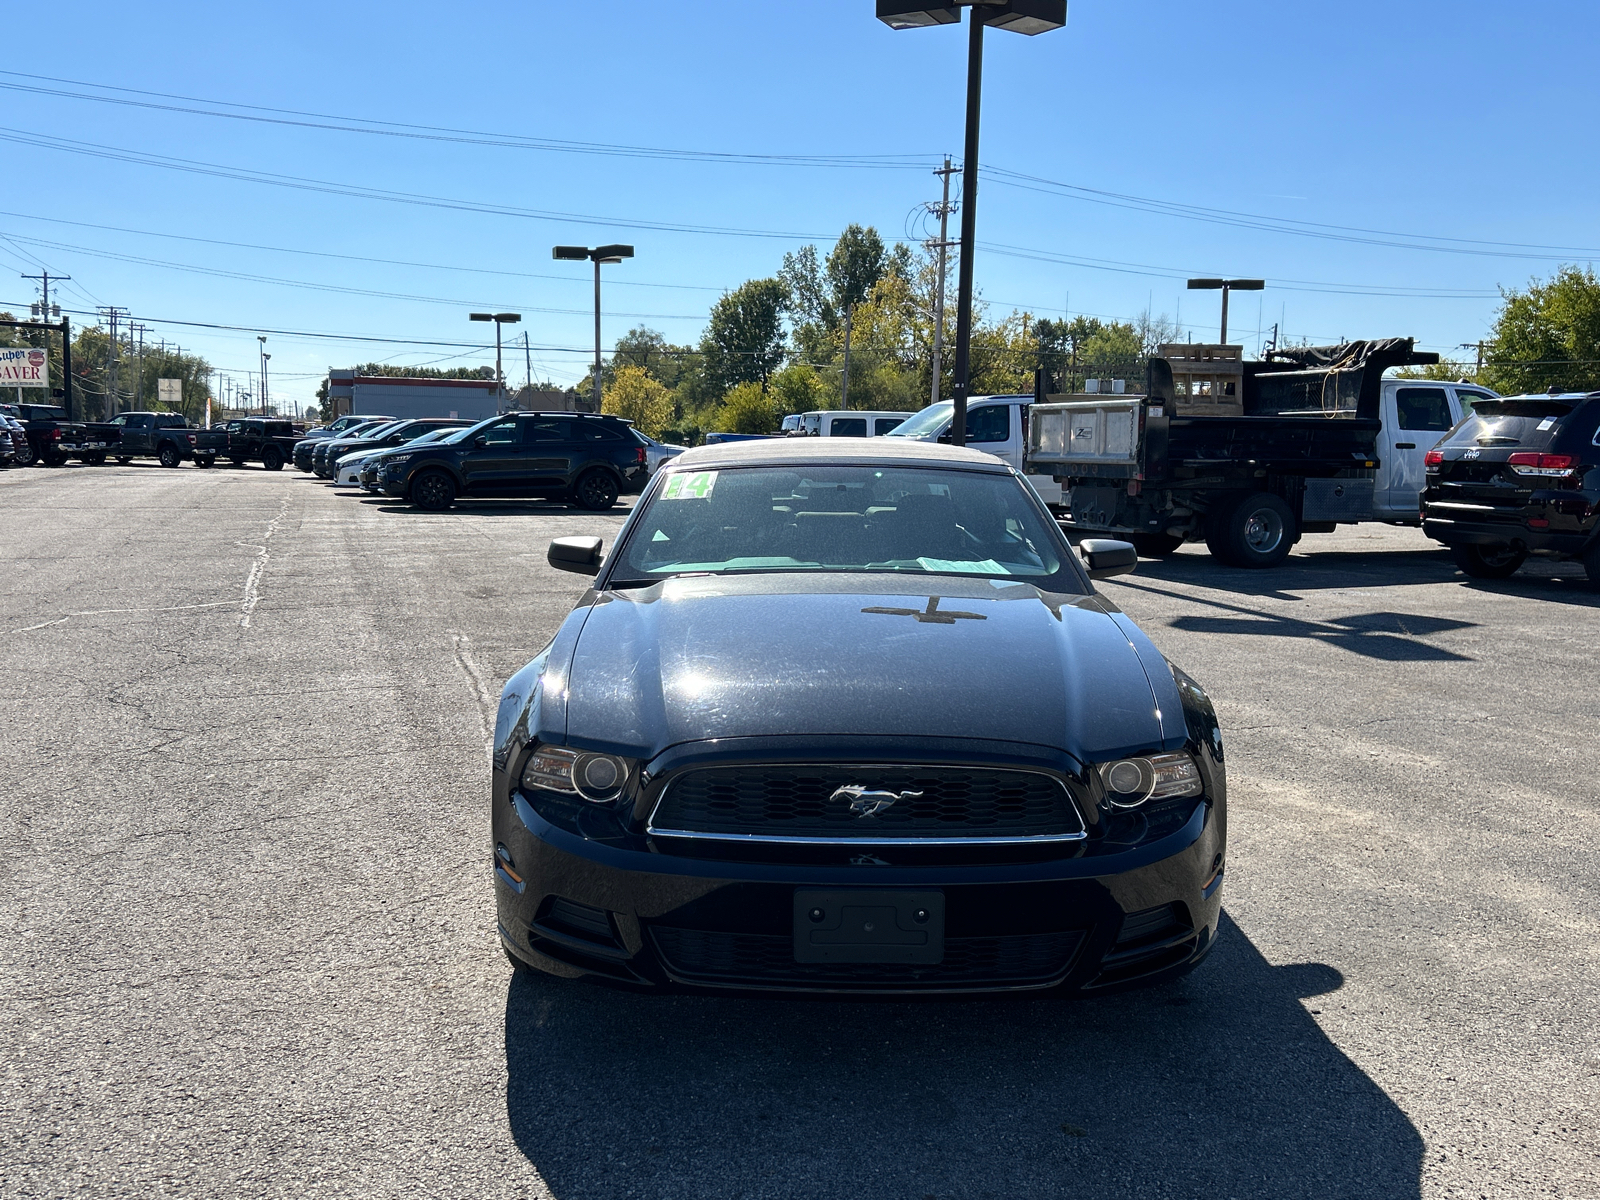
[690,485]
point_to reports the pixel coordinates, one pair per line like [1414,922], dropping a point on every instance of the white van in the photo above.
[997,425]
[845,422]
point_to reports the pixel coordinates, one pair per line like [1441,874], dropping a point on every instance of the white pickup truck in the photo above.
[997,425]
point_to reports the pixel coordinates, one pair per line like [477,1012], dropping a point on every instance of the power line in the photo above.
[440,133]
[389,262]
[1311,229]
[320,287]
[299,183]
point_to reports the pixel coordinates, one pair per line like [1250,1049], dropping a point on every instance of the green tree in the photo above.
[747,408]
[639,397]
[743,341]
[797,388]
[1547,336]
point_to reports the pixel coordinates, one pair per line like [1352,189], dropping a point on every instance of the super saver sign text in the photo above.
[24,367]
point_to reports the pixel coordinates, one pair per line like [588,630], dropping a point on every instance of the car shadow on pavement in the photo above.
[1329,570]
[1221,1084]
[1390,636]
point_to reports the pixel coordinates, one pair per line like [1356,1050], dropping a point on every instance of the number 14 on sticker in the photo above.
[691,485]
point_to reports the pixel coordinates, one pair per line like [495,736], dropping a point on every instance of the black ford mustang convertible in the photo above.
[850,717]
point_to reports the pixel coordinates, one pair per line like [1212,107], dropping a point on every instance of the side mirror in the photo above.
[480,441]
[1105,557]
[945,437]
[580,554]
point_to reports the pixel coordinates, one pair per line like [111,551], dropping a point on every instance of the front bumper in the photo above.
[575,907]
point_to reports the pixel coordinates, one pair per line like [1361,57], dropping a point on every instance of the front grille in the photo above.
[776,802]
[701,956]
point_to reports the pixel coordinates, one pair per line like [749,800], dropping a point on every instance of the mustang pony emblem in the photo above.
[869,802]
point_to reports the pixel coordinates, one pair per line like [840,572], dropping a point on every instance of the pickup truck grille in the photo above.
[813,803]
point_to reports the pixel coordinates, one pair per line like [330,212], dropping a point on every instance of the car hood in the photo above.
[831,655]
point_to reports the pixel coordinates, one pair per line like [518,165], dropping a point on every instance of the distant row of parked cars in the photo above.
[42,434]
[588,460]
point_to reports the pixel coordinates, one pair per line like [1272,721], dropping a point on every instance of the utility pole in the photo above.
[1272,346]
[45,279]
[1478,346]
[527,357]
[138,398]
[112,397]
[262,338]
[844,391]
[942,245]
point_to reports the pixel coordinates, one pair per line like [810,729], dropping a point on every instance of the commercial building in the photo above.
[402,396]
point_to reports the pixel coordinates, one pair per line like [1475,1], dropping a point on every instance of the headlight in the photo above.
[598,778]
[1129,782]
[395,459]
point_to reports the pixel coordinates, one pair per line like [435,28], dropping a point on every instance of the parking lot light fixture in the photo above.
[499,319]
[1018,16]
[613,253]
[1226,286]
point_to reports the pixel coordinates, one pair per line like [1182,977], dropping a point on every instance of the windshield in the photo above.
[1531,423]
[376,431]
[925,424]
[906,520]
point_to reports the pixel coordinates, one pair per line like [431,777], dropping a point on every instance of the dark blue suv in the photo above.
[585,459]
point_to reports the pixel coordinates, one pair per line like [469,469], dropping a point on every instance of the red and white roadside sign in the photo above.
[24,367]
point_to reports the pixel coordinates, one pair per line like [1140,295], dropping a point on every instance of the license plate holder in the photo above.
[860,925]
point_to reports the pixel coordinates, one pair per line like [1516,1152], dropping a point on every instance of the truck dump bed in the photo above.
[1311,412]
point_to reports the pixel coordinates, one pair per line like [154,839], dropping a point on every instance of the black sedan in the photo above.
[586,459]
[1519,475]
[851,717]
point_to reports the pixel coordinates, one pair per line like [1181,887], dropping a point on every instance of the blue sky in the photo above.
[1453,126]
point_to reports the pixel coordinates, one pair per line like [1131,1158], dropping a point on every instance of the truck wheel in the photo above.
[1154,545]
[124,459]
[1253,531]
[95,460]
[54,458]
[1493,562]
[595,490]
[433,491]
[203,461]
[168,454]
[236,459]
[272,458]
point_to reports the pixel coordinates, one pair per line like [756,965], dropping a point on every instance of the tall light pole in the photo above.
[499,319]
[1020,16]
[262,390]
[599,254]
[1226,286]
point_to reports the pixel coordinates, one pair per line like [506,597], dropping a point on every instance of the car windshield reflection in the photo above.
[841,518]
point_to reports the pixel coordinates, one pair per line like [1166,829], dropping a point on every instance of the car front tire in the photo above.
[1490,562]
[595,490]
[433,491]
[27,456]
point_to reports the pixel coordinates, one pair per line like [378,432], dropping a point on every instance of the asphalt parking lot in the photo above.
[247,932]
